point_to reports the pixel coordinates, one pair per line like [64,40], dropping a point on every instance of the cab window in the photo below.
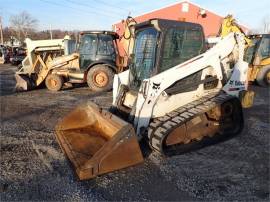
[264,50]
[88,44]
[105,46]
[181,44]
[251,50]
[143,62]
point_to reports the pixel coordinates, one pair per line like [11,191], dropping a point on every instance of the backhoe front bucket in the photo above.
[97,142]
[23,82]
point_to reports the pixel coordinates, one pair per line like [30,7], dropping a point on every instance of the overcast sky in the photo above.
[101,14]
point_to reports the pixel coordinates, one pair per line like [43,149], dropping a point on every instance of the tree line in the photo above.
[24,25]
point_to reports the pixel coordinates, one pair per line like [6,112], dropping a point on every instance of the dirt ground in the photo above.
[34,168]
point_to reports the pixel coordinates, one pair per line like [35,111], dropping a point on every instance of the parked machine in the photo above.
[94,62]
[2,54]
[258,57]
[17,56]
[257,52]
[36,65]
[174,94]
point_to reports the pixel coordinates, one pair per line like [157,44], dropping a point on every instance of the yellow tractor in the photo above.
[258,57]
[257,52]
[95,60]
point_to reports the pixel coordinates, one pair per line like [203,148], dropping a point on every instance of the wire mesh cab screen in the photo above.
[143,62]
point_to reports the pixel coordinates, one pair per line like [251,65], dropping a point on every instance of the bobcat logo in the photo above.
[156,86]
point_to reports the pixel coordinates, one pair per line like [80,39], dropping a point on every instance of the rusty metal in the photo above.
[192,130]
[97,142]
[101,79]
[209,116]
[53,82]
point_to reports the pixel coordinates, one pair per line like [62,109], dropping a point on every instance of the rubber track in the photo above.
[161,127]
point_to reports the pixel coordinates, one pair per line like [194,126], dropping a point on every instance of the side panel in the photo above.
[121,78]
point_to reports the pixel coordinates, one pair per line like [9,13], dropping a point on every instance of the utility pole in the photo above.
[1,31]
[51,30]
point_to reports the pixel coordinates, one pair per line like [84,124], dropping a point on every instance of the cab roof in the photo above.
[164,24]
[114,34]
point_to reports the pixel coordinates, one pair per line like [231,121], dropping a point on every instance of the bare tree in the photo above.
[253,31]
[7,33]
[23,24]
[266,24]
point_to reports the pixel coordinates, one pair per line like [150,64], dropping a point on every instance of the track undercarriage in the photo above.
[212,115]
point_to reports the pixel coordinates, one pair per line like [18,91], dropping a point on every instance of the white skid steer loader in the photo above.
[173,94]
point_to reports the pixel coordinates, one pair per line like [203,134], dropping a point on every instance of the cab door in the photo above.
[87,50]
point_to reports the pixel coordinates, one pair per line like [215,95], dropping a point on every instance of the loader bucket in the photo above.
[97,142]
[23,82]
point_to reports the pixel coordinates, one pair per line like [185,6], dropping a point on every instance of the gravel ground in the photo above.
[34,168]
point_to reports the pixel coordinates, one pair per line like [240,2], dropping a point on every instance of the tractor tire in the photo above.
[100,78]
[54,82]
[263,77]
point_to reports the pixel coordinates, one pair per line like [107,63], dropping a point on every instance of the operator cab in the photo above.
[258,57]
[162,44]
[259,50]
[97,46]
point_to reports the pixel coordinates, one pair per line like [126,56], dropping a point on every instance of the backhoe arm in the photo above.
[229,25]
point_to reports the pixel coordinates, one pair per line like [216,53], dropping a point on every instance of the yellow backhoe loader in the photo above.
[95,61]
[229,25]
[38,62]
[257,52]
[174,94]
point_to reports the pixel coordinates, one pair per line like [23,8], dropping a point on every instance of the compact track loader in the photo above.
[174,94]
